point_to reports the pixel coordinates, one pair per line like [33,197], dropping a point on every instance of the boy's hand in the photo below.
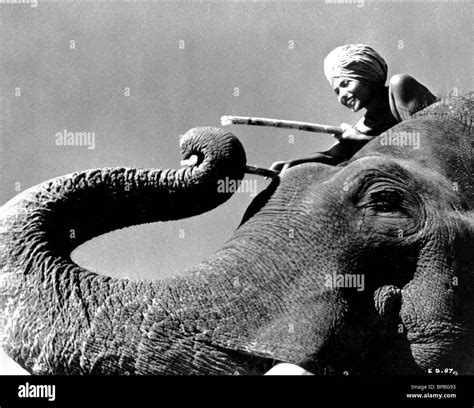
[351,133]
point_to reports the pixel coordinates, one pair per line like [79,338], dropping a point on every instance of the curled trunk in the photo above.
[58,317]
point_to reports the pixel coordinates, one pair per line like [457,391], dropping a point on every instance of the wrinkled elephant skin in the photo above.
[362,268]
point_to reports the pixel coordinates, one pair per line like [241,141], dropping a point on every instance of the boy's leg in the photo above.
[319,157]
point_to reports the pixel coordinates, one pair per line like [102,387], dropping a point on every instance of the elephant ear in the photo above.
[437,303]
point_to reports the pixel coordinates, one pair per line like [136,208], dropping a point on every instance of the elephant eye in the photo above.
[385,200]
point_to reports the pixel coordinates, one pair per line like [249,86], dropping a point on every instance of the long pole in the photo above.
[289,124]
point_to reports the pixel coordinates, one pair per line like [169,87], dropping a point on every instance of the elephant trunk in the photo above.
[53,312]
[69,210]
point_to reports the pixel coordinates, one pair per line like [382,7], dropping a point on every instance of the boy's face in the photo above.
[353,94]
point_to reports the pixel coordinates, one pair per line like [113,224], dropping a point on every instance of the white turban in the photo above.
[356,61]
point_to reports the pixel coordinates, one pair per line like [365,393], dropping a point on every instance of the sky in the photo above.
[139,74]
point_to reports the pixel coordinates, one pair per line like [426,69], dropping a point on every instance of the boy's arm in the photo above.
[317,157]
[346,147]
[331,156]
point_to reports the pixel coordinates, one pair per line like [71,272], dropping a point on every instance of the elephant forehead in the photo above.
[304,184]
[305,177]
[317,179]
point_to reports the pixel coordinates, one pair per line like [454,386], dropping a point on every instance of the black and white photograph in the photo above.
[274,189]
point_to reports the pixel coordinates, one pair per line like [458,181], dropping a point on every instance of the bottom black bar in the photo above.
[18,391]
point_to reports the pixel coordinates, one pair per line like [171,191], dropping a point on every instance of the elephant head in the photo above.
[363,268]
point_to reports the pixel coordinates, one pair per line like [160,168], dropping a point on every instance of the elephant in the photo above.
[364,268]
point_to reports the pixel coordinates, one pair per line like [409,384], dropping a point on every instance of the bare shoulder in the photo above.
[408,96]
[403,86]
[398,80]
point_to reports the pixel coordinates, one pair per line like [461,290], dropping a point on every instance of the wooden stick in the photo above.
[261,171]
[289,124]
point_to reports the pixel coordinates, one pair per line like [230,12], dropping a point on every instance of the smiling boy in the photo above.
[358,74]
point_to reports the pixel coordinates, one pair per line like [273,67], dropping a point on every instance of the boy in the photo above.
[357,73]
